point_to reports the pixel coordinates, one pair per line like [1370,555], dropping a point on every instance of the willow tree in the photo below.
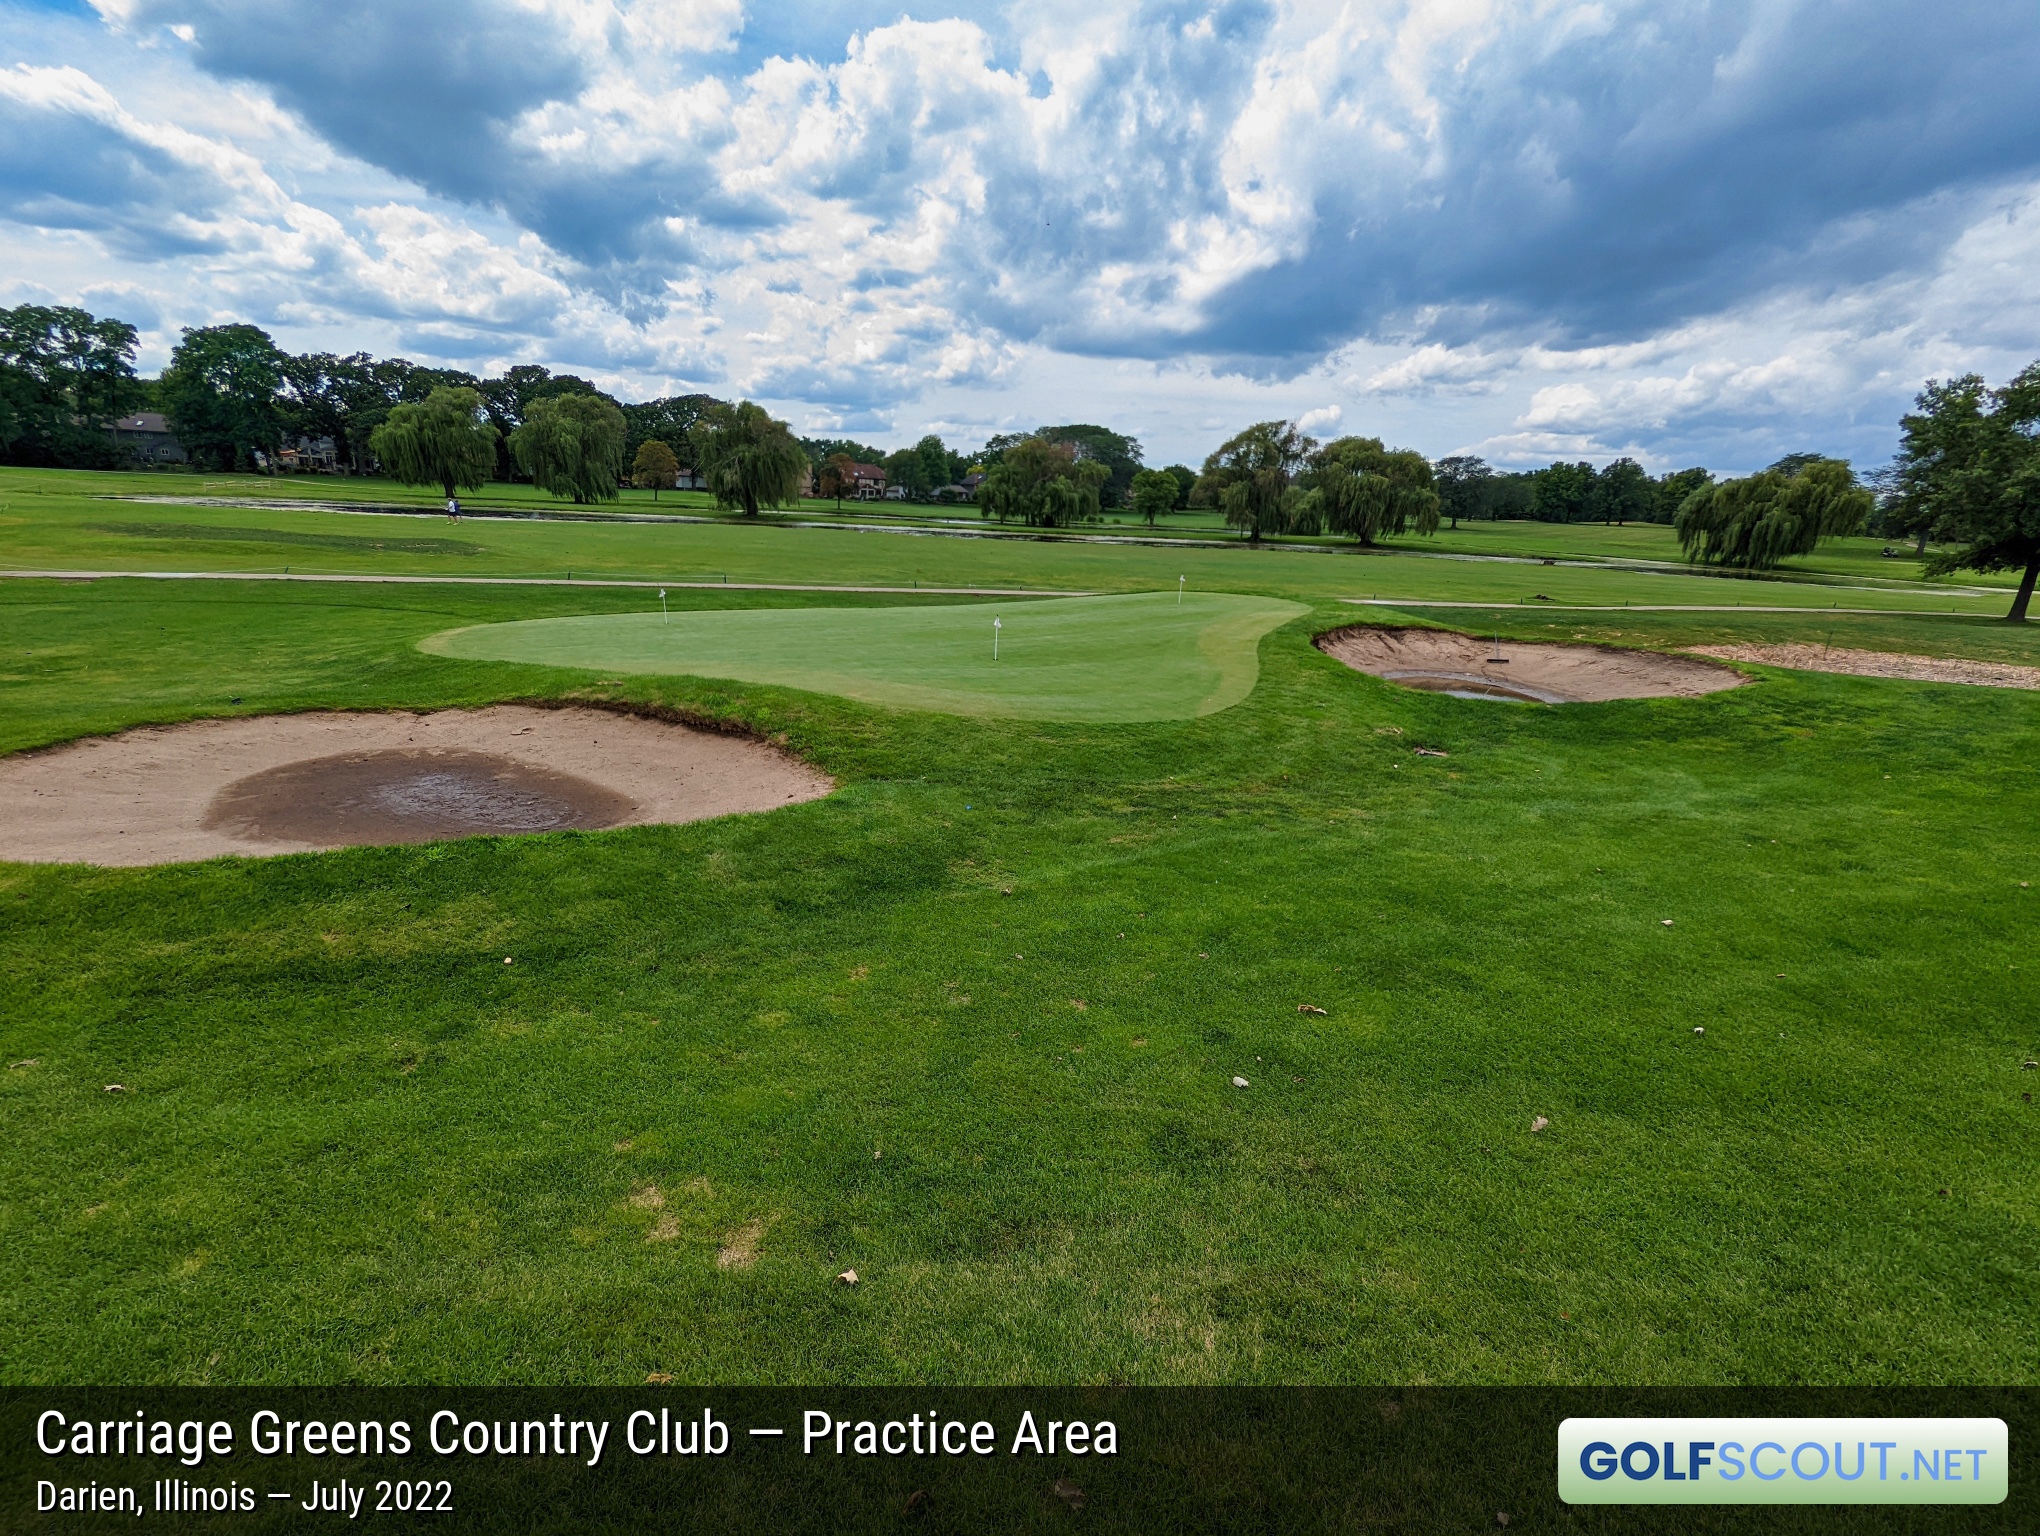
[1250,476]
[1153,493]
[1753,523]
[1372,492]
[1043,483]
[1968,475]
[572,445]
[443,440]
[749,459]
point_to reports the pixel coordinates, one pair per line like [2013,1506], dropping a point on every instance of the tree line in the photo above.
[1966,478]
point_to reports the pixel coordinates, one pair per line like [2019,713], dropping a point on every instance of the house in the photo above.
[147,436]
[867,482]
[309,455]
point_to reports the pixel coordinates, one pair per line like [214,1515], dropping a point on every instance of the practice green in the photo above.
[1147,656]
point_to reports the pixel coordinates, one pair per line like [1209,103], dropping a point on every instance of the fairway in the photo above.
[1146,656]
[1757,964]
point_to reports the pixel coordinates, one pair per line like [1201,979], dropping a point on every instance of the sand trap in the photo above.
[1921,669]
[1443,662]
[293,783]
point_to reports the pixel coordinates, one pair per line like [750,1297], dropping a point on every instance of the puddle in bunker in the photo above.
[408,797]
[1462,685]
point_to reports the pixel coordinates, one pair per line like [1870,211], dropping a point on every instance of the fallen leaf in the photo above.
[1699,1029]
[116,1088]
[1666,921]
[848,1277]
[1241,1082]
[1431,752]
[16,1066]
[1538,1124]
[506,960]
[917,1504]
[1068,1492]
[659,1379]
[1310,1008]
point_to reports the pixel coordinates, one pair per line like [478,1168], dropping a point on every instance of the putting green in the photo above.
[1140,657]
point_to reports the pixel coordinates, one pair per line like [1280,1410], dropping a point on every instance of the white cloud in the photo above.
[1554,228]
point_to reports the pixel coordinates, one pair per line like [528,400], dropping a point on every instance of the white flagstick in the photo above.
[995,639]
[1179,590]
[663,619]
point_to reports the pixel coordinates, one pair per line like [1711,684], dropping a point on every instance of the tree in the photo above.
[1564,493]
[935,464]
[1185,478]
[903,469]
[1118,453]
[221,393]
[1462,483]
[749,459]
[64,377]
[1370,491]
[445,441]
[836,478]
[1968,472]
[1753,523]
[509,401]
[1152,493]
[572,445]
[1623,493]
[666,420]
[1673,489]
[1043,484]
[654,467]
[1248,478]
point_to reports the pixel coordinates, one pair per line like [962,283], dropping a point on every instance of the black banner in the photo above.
[830,1459]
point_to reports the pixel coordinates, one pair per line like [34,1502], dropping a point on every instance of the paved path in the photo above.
[531,581]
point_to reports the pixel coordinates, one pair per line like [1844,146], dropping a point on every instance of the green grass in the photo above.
[51,521]
[969,1024]
[1153,656]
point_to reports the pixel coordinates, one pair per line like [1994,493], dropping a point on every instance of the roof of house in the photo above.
[866,472]
[143,421]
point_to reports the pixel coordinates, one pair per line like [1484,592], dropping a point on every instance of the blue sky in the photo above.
[1691,233]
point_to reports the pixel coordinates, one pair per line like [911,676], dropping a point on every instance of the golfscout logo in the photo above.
[1782,1461]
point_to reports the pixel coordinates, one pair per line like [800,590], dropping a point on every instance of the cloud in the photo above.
[1607,223]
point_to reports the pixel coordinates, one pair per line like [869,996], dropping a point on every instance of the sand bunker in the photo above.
[293,783]
[1442,662]
[1921,669]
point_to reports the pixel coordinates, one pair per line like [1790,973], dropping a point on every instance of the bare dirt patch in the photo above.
[1441,661]
[297,783]
[1922,669]
[740,1249]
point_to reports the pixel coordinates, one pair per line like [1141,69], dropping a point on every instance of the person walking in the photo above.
[453,509]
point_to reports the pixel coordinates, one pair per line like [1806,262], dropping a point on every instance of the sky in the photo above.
[1688,233]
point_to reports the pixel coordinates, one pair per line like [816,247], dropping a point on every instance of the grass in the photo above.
[1153,656]
[969,1025]
[53,521]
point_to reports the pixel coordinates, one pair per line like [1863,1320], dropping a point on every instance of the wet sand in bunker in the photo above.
[1441,661]
[294,783]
